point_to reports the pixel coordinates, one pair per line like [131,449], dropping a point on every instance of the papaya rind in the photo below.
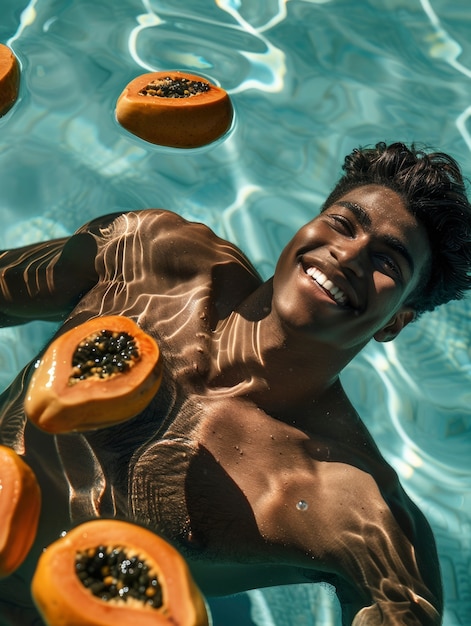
[55,406]
[62,600]
[20,507]
[9,79]
[174,122]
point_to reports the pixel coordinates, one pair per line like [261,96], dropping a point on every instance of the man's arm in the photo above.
[392,558]
[395,603]
[44,281]
[378,546]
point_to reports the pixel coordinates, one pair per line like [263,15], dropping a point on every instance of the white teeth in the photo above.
[322,280]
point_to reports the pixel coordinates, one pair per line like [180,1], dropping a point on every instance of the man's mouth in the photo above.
[333,290]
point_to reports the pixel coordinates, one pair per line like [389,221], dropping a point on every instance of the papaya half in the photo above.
[174,109]
[20,505]
[97,374]
[110,572]
[9,79]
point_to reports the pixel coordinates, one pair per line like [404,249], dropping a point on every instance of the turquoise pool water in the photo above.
[310,80]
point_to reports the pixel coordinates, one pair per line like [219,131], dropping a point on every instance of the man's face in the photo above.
[345,276]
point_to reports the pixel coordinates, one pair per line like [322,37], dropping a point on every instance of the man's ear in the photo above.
[395,325]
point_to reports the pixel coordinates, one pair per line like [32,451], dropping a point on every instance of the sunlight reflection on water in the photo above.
[310,80]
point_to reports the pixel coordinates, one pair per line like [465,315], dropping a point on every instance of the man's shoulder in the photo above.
[173,230]
[149,223]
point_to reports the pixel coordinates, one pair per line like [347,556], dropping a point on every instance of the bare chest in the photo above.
[235,485]
[297,489]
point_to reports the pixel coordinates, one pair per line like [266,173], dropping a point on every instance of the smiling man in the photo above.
[250,458]
[359,252]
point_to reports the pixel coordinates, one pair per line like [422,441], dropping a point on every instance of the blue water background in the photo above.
[310,80]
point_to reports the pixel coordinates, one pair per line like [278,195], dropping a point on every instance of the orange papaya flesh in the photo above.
[174,109]
[20,506]
[100,373]
[9,79]
[110,572]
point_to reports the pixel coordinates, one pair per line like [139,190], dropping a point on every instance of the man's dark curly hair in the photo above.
[433,190]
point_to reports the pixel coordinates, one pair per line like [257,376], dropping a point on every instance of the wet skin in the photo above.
[251,418]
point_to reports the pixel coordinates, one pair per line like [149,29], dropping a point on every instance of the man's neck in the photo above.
[255,356]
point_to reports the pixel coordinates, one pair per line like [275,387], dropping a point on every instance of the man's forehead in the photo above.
[374,206]
[371,198]
[370,204]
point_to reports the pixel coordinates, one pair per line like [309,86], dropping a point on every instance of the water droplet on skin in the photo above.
[302,505]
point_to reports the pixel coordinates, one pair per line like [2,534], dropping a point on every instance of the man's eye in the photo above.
[387,264]
[342,224]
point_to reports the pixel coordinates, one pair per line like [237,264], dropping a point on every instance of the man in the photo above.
[250,458]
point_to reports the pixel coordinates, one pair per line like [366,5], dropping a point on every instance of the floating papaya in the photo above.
[174,109]
[20,505]
[110,572]
[97,374]
[9,79]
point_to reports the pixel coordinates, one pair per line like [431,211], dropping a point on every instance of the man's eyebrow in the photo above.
[359,212]
[400,248]
[391,241]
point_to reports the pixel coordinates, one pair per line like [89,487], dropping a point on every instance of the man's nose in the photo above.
[351,254]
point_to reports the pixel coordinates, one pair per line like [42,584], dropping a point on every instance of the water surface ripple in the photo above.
[310,80]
